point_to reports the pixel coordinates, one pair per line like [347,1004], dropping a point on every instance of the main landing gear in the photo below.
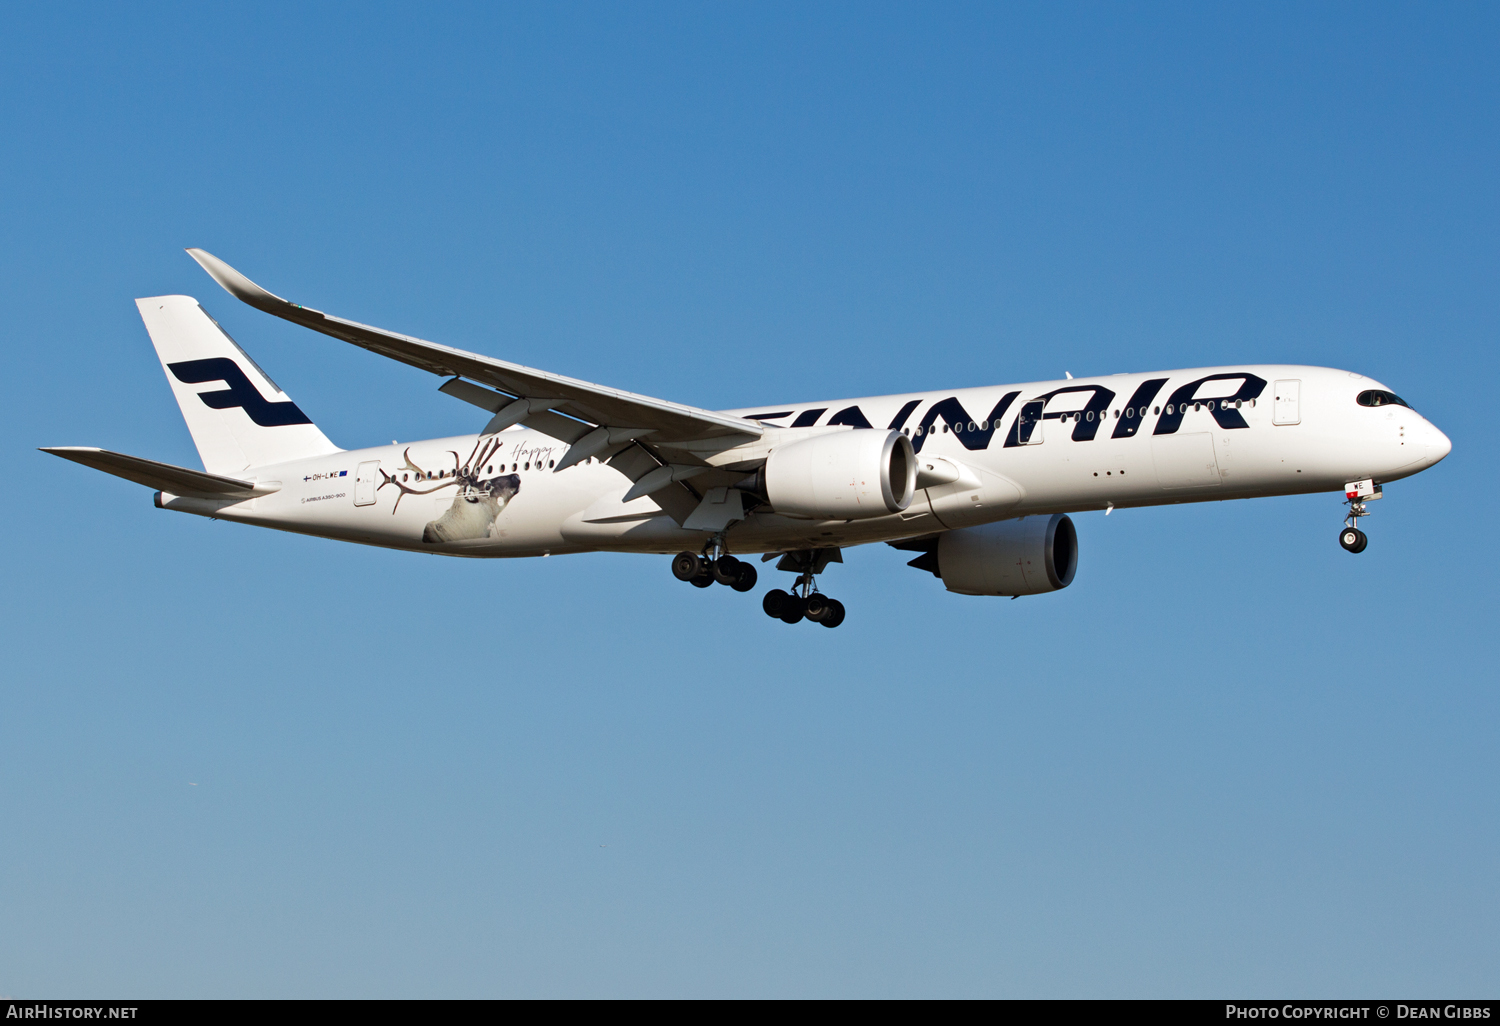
[804,601]
[789,608]
[1356,495]
[703,571]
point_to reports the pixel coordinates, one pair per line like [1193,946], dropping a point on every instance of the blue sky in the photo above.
[1231,759]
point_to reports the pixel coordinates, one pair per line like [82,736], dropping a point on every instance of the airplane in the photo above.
[978,482]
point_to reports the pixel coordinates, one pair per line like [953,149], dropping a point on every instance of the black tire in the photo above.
[1353,539]
[793,609]
[686,566]
[773,602]
[835,614]
[705,579]
[726,569]
[817,606]
[746,579]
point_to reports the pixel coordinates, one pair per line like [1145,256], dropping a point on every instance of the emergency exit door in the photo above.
[366,480]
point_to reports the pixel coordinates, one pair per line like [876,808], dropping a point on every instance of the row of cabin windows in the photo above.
[439,474]
[1129,412]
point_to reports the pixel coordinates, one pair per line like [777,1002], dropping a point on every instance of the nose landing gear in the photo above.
[1356,494]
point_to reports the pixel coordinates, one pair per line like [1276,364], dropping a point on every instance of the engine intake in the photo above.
[849,475]
[1029,556]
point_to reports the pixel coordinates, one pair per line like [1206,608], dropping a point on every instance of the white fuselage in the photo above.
[1103,442]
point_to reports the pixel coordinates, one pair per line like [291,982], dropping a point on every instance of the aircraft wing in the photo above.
[163,476]
[545,395]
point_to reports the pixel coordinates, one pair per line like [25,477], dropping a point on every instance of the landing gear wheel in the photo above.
[705,578]
[726,569]
[686,566]
[745,579]
[773,602]
[835,614]
[1353,539]
[817,607]
[793,609]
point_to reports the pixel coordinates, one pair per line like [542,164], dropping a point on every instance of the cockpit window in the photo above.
[1378,397]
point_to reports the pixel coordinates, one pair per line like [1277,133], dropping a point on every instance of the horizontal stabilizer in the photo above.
[162,476]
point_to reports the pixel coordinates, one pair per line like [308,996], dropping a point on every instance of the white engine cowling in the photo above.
[849,475]
[1028,556]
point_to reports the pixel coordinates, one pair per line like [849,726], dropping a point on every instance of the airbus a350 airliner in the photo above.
[978,481]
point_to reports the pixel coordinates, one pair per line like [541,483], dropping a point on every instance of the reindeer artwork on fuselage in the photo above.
[477,499]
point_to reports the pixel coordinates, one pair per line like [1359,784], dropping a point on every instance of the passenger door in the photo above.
[366,480]
[1029,425]
[1288,396]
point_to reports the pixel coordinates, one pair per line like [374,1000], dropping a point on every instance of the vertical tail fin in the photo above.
[241,419]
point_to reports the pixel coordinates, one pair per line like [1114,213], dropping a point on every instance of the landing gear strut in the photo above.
[804,601]
[1356,494]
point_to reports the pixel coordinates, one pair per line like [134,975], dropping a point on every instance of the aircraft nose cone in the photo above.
[1438,445]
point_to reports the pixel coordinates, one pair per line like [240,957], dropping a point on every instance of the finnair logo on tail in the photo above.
[240,392]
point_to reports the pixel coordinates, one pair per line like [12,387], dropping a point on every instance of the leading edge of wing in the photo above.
[582,399]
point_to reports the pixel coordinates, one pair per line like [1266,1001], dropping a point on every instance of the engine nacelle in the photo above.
[848,475]
[1028,556]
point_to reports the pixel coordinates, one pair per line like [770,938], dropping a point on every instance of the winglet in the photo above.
[245,290]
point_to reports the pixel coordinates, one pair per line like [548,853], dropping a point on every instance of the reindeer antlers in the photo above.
[465,474]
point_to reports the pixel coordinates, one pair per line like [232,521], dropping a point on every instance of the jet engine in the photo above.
[848,475]
[1028,556]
